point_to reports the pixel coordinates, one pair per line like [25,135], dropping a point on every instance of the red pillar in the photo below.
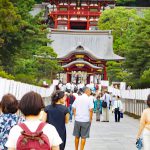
[88,23]
[68,25]
[105,72]
[56,23]
[68,77]
[88,79]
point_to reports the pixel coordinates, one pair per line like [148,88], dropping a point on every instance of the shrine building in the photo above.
[83,54]
[82,49]
[77,14]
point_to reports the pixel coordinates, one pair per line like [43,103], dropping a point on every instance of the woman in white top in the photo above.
[31,105]
[145,126]
[117,108]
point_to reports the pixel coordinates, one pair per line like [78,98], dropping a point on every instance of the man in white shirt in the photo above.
[68,87]
[83,112]
[117,108]
[64,87]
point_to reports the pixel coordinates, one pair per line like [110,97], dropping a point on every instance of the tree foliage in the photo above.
[46,62]
[132,40]
[138,56]
[10,24]
[23,36]
[124,2]
[122,23]
[116,72]
[138,3]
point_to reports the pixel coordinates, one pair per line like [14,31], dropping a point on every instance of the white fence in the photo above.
[18,89]
[140,94]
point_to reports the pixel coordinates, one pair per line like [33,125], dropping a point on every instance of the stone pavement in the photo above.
[108,136]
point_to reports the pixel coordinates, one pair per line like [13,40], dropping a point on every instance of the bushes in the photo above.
[4,74]
[30,79]
[40,83]
[145,79]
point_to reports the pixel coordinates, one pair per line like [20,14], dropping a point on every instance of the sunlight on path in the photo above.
[108,136]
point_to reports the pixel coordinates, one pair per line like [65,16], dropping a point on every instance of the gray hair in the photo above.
[85,89]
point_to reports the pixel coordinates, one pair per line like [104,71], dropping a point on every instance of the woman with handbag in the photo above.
[105,104]
[145,126]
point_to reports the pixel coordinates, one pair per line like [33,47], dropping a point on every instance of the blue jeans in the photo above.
[70,111]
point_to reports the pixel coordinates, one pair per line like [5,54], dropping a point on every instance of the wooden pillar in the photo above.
[68,24]
[94,78]
[88,79]
[68,77]
[56,23]
[88,21]
[99,6]
[105,72]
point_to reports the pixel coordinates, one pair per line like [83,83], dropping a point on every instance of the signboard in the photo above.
[104,83]
[93,22]
[55,82]
[64,22]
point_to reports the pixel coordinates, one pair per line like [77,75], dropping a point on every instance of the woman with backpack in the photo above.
[8,118]
[33,134]
[57,114]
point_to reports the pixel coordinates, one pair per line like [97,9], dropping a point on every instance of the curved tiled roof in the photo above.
[80,52]
[99,44]
[81,62]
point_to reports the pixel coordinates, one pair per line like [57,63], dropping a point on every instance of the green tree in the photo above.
[125,2]
[138,55]
[25,66]
[23,37]
[116,72]
[23,7]
[131,40]
[122,23]
[39,1]
[10,23]
[145,79]
[46,62]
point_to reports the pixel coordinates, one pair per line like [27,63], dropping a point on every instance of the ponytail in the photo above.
[57,96]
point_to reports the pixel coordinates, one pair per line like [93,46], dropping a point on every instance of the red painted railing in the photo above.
[74,13]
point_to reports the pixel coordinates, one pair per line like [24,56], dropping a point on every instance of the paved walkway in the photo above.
[108,136]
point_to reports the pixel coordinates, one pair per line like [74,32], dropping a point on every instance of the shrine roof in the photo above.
[82,0]
[98,43]
[81,62]
[85,52]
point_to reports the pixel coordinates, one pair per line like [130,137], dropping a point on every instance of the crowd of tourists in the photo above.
[39,126]
[102,100]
